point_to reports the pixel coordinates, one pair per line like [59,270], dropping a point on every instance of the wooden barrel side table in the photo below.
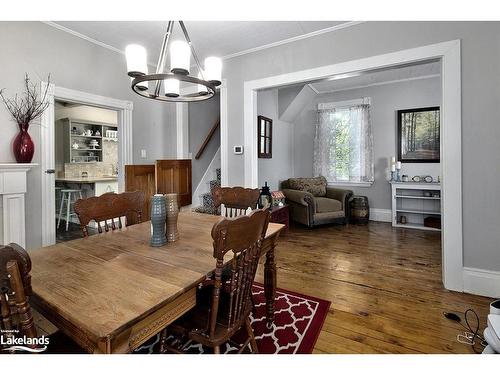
[359,209]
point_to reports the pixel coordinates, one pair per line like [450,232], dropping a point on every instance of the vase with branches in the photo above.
[24,109]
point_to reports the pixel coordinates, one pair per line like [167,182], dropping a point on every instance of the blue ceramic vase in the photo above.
[158,220]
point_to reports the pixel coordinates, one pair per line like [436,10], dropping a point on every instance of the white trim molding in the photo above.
[226,57]
[182,130]
[381,214]
[224,137]
[350,183]
[293,39]
[451,133]
[392,82]
[482,282]
[345,103]
[47,142]
[13,187]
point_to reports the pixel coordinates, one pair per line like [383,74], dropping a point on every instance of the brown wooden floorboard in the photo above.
[384,285]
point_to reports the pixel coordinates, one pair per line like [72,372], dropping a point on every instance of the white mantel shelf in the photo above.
[26,166]
[12,208]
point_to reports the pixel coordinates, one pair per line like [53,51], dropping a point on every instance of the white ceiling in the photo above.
[210,38]
[378,77]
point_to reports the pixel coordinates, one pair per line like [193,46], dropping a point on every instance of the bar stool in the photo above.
[66,195]
[58,197]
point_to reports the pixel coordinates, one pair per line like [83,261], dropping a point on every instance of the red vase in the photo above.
[23,146]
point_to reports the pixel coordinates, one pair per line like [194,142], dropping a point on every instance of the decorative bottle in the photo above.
[172,216]
[158,219]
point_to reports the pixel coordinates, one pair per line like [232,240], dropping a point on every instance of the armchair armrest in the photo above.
[298,196]
[341,195]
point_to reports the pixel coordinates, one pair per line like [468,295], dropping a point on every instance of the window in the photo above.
[343,145]
[265,137]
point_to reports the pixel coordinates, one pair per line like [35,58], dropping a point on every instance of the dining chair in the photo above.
[223,306]
[236,200]
[15,311]
[110,207]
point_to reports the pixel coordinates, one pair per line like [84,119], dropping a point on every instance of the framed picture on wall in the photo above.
[419,135]
[264,137]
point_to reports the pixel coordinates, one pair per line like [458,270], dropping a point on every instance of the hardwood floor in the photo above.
[384,284]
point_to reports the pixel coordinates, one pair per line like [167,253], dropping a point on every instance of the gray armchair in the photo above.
[313,203]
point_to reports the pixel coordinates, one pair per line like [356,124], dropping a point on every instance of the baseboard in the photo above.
[380,214]
[481,282]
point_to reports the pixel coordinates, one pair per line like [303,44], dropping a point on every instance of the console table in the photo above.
[12,191]
[415,201]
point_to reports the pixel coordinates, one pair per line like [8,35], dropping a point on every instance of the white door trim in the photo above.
[182,130]
[224,139]
[451,135]
[47,143]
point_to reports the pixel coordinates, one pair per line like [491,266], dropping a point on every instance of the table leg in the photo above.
[270,284]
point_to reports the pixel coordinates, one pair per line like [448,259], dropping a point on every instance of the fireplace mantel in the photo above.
[12,213]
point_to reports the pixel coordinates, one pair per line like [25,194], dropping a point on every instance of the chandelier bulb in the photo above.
[180,55]
[136,56]
[171,87]
[213,70]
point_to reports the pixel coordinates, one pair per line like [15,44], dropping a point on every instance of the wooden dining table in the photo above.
[111,292]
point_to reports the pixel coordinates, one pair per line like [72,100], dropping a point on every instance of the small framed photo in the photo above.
[419,135]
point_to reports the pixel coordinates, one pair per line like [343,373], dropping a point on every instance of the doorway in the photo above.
[123,110]
[448,53]
[86,160]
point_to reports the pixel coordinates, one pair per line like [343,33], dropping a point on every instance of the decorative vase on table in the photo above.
[23,146]
[172,216]
[158,220]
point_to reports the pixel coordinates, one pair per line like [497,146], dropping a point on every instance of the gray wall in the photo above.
[480,55]
[74,63]
[202,116]
[279,167]
[385,101]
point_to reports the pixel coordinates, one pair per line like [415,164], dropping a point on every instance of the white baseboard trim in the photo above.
[380,214]
[482,282]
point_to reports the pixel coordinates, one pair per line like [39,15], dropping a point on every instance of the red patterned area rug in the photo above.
[298,322]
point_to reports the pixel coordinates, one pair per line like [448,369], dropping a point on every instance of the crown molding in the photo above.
[227,57]
[88,39]
[376,84]
[293,39]
[82,36]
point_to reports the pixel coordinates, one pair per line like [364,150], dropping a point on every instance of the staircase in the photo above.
[207,206]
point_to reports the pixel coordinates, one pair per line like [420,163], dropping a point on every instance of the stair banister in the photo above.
[207,139]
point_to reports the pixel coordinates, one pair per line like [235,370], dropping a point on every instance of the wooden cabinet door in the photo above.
[142,178]
[174,176]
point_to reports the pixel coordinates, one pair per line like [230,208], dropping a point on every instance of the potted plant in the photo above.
[24,109]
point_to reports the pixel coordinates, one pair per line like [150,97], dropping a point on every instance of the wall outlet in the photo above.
[238,150]
[143,154]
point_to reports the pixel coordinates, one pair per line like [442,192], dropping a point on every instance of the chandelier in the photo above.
[150,85]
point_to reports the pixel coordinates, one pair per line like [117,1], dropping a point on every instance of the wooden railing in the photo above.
[207,139]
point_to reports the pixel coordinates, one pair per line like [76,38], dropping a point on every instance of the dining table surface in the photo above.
[111,292]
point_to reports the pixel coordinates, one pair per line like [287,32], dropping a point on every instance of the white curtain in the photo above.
[343,145]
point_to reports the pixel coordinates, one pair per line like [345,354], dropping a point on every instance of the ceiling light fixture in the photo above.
[149,85]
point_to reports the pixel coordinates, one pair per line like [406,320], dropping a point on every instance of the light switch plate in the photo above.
[143,154]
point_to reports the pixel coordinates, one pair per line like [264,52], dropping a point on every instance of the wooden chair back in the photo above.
[243,237]
[236,200]
[110,207]
[15,288]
